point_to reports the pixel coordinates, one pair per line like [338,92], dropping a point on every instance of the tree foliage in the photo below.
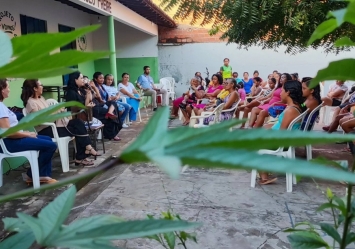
[265,23]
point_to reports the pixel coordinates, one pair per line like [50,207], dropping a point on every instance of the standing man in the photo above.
[226,70]
[146,82]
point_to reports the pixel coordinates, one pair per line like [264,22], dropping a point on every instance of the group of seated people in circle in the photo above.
[282,96]
[99,94]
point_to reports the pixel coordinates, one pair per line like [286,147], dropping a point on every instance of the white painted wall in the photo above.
[124,15]
[130,42]
[51,11]
[181,62]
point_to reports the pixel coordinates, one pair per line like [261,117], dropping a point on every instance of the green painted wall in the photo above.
[133,66]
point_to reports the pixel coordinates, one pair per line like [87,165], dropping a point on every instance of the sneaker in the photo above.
[154,109]
[125,126]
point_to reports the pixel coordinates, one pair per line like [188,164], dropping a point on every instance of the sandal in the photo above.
[117,138]
[95,154]
[42,179]
[110,115]
[185,123]
[84,162]
[268,181]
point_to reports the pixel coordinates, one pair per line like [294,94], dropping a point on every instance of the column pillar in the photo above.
[112,46]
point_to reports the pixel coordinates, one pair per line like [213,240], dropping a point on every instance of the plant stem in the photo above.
[348,215]
[182,241]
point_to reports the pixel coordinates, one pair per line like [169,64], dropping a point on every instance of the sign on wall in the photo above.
[9,23]
[104,5]
[82,42]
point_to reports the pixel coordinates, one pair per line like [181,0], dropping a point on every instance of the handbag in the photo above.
[83,114]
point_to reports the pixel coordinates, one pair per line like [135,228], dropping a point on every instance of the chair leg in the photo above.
[253,178]
[288,182]
[64,155]
[139,115]
[294,179]
[309,152]
[1,176]
[33,160]
[102,140]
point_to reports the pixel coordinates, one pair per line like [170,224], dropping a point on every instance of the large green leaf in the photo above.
[344,42]
[324,28]
[170,239]
[336,70]
[306,240]
[31,46]
[34,225]
[331,231]
[40,117]
[124,230]
[47,64]
[5,48]
[21,240]
[14,225]
[54,214]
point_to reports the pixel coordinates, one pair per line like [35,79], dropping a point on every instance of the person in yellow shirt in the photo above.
[226,70]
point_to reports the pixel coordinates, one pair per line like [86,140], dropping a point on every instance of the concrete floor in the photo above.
[233,214]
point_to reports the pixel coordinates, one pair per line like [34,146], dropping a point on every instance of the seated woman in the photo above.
[313,99]
[265,97]
[255,89]
[114,95]
[128,91]
[291,95]
[241,92]
[258,114]
[335,94]
[33,101]
[76,92]
[215,87]
[178,101]
[265,84]
[25,140]
[196,91]
[229,101]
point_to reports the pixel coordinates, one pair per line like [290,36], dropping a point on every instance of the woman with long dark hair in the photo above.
[292,96]
[258,114]
[77,92]
[33,101]
[25,140]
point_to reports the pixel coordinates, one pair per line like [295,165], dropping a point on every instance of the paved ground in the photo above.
[233,214]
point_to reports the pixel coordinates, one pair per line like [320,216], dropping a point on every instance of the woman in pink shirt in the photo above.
[242,93]
[258,114]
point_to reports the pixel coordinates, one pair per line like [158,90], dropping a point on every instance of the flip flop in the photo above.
[268,181]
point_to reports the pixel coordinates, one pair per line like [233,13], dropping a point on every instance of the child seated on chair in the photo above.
[25,140]
[292,96]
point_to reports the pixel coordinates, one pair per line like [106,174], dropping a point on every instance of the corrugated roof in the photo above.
[150,11]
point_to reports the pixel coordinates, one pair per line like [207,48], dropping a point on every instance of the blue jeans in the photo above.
[127,108]
[43,144]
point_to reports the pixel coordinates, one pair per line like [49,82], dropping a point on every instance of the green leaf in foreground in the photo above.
[323,29]
[5,48]
[306,240]
[40,117]
[331,231]
[216,146]
[21,240]
[344,42]
[336,70]
[48,64]
[124,230]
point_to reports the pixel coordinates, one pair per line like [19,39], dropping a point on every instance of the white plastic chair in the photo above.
[309,127]
[62,142]
[171,87]
[30,155]
[290,153]
[217,112]
[328,109]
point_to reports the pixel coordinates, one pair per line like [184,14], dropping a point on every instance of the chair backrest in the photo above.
[217,114]
[51,102]
[24,111]
[346,95]
[298,119]
[3,147]
[309,126]
[165,83]
[172,82]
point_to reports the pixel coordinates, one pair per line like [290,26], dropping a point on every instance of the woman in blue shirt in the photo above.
[248,82]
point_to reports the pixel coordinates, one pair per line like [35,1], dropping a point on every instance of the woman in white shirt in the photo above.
[25,140]
[130,93]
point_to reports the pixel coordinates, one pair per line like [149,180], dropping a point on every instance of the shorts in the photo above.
[336,102]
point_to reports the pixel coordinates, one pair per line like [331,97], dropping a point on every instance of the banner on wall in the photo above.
[9,23]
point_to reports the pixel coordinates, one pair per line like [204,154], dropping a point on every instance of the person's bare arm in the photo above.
[5,124]
[290,114]
[336,94]
[257,90]
[214,94]
[232,99]
[125,92]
